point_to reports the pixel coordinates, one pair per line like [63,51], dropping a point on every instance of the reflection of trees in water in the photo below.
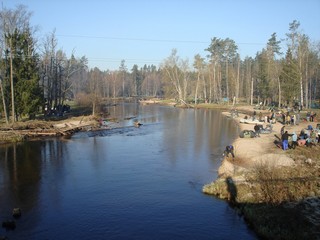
[197,130]
[52,152]
[22,168]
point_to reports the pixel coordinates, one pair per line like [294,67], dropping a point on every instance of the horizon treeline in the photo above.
[36,76]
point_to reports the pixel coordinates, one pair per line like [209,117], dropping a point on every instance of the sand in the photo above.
[259,150]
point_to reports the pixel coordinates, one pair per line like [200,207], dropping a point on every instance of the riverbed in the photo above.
[124,183]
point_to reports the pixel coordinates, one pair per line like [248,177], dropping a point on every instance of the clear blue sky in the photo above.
[145,31]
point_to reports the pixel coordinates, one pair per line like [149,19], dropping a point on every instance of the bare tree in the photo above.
[297,52]
[199,64]
[95,81]
[176,71]
[49,68]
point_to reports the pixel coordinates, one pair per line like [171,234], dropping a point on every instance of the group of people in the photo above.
[290,119]
[311,116]
[307,137]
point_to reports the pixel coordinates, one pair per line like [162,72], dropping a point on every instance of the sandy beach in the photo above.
[259,150]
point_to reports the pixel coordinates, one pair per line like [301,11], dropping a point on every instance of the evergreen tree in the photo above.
[289,78]
[28,94]
[263,83]
[273,49]
[137,79]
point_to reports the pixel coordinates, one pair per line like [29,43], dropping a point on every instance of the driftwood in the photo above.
[43,132]
[23,131]
[40,133]
[188,105]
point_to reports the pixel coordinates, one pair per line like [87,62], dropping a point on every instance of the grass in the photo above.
[274,189]
[272,199]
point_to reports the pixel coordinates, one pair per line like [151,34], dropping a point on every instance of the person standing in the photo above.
[254,115]
[284,139]
[294,119]
[260,116]
[294,138]
[283,118]
[257,130]
[298,117]
[288,119]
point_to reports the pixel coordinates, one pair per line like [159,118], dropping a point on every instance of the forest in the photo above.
[36,76]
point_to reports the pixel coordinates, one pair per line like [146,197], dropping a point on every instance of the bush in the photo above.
[83,99]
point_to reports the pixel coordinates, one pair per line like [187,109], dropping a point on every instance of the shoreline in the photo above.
[236,185]
[250,152]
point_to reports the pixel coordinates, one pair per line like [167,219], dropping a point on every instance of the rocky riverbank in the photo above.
[268,185]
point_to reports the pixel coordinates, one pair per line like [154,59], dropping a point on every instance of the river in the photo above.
[125,183]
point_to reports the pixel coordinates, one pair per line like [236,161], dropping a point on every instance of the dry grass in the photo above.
[277,185]
[279,194]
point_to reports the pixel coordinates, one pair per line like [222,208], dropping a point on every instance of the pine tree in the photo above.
[289,78]
[263,82]
[28,94]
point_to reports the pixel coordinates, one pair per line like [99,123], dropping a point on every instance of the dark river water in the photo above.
[125,183]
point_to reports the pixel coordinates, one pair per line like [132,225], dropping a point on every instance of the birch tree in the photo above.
[293,38]
[95,81]
[176,71]
[199,64]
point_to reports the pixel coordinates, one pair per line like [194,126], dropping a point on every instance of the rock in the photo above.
[309,161]
[9,225]
[16,212]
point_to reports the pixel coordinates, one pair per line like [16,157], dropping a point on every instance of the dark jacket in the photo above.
[285,136]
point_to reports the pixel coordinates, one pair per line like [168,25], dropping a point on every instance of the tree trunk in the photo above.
[227,81]
[214,82]
[219,83]
[197,87]
[210,88]
[4,102]
[93,107]
[251,95]
[11,82]
[308,104]
[238,80]
[279,86]
[301,83]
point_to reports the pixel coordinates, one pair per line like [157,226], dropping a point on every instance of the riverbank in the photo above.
[78,119]
[268,185]
[28,130]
